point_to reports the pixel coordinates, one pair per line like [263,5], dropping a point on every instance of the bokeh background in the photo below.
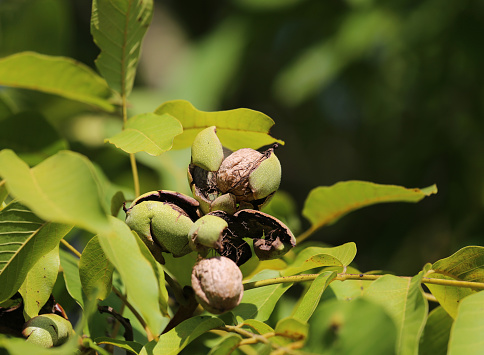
[384,91]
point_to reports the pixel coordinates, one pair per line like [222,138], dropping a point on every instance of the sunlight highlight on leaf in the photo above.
[239,128]
[64,188]
[55,75]
[148,132]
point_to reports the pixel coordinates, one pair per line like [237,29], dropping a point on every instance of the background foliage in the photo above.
[360,89]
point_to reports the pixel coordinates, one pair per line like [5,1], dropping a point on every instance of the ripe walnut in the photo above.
[217,283]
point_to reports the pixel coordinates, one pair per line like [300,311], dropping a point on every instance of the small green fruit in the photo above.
[207,232]
[162,220]
[207,151]
[47,330]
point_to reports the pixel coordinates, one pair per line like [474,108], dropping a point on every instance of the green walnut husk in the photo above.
[217,283]
[47,330]
[207,151]
[249,174]
[207,232]
[162,219]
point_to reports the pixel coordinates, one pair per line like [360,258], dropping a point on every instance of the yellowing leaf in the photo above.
[148,133]
[239,128]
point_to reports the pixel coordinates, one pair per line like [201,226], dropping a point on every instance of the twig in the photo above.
[128,329]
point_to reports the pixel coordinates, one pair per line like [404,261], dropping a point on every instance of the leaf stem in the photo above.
[251,338]
[140,319]
[341,277]
[306,234]
[132,158]
[71,248]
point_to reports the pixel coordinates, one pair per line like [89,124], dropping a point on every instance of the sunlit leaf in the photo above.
[436,333]
[118,28]
[25,238]
[122,250]
[132,346]
[147,132]
[404,301]
[30,136]
[63,188]
[466,333]
[313,257]
[95,270]
[55,75]
[310,300]
[70,270]
[37,286]
[358,327]
[3,193]
[172,342]
[258,303]
[258,326]
[325,205]
[239,128]
[467,264]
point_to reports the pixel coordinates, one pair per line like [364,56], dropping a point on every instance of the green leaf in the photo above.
[173,341]
[239,128]
[117,202]
[227,345]
[325,205]
[63,188]
[37,286]
[3,193]
[467,264]
[258,303]
[123,252]
[347,290]
[466,333]
[308,303]
[313,257]
[31,136]
[358,327]
[404,301]
[449,297]
[123,344]
[292,329]
[55,75]
[118,28]
[70,270]
[159,273]
[147,132]
[95,270]
[25,238]
[436,333]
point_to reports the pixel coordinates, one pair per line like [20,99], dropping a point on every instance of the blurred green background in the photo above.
[389,92]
